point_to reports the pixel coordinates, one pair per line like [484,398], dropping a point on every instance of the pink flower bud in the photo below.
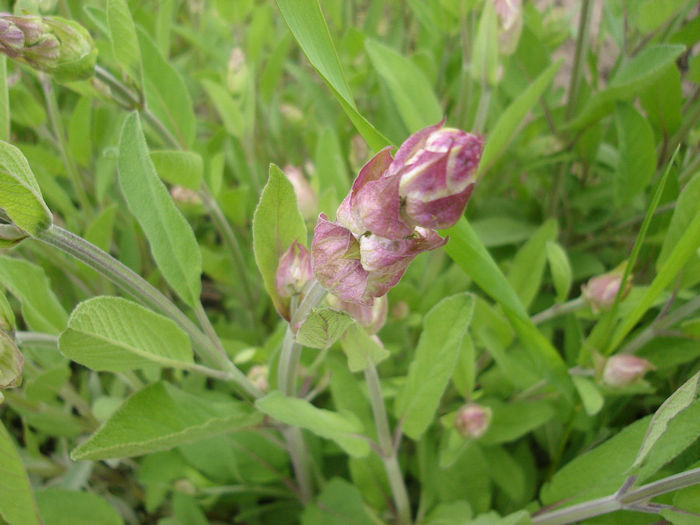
[437,168]
[294,270]
[259,376]
[600,292]
[307,201]
[472,420]
[370,317]
[623,370]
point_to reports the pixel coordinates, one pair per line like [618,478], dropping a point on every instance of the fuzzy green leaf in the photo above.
[122,35]
[17,505]
[360,349]
[322,327]
[161,417]
[113,334]
[71,507]
[173,244]
[184,168]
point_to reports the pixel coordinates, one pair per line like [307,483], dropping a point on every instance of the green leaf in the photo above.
[526,272]
[360,349]
[484,59]
[28,282]
[160,417]
[184,168]
[226,107]
[469,253]
[167,95]
[675,404]
[20,195]
[340,427]
[122,35]
[631,79]
[277,223]
[113,334]
[4,101]
[637,159]
[339,503]
[173,244]
[71,507]
[11,362]
[598,472]
[322,327]
[435,357]
[513,118]
[502,230]
[506,472]
[17,505]
[79,132]
[305,20]
[410,90]
[560,268]
[515,419]
[591,397]
[685,211]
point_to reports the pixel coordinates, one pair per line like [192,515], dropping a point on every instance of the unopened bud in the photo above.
[294,270]
[185,195]
[623,370]
[307,201]
[510,24]
[258,376]
[472,420]
[600,292]
[60,47]
[11,362]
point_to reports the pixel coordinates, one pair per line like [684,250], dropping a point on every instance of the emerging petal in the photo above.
[336,262]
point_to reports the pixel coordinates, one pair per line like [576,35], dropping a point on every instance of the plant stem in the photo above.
[622,500]
[582,42]
[58,130]
[559,309]
[136,286]
[36,339]
[660,325]
[388,451]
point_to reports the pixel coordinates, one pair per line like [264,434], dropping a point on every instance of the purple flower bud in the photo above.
[307,201]
[336,261]
[437,168]
[55,45]
[472,420]
[294,270]
[600,291]
[370,317]
[623,370]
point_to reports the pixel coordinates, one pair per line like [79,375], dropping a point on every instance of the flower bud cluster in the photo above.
[392,211]
[52,44]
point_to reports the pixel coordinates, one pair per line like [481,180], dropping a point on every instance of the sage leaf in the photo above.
[322,327]
[114,334]
[122,36]
[360,349]
[17,505]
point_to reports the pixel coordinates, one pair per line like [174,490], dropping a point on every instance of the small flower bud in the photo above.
[307,201]
[510,24]
[437,168]
[258,375]
[52,44]
[370,317]
[11,362]
[623,370]
[472,420]
[294,270]
[600,291]
[185,195]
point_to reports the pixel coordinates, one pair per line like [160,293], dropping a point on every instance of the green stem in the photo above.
[388,451]
[582,42]
[58,130]
[136,286]
[558,310]
[36,339]
[623,500]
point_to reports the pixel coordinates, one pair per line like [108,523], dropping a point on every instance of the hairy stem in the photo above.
[559,309]
[624,499]
[389,454]
[136,286]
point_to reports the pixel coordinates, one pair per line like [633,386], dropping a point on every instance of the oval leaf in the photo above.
[161,417]
[20,195]
[322,327]
[17,504]
[113,334]
[170,236]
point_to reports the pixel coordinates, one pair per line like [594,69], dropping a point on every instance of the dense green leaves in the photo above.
[17,505]
[277,223]
[160,417]
[113,334]
[72,507]
[173,245]
[20,195]
[431,368]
